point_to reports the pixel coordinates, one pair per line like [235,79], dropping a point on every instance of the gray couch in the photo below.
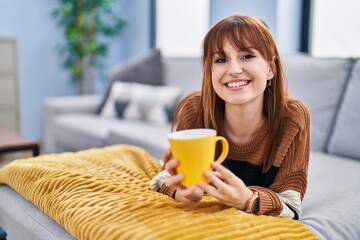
[328,86]
[74,123]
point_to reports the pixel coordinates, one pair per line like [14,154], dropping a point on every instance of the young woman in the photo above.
[244,98]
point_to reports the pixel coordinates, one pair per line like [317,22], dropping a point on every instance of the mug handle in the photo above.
[225,148]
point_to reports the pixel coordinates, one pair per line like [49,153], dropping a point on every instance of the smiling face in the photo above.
[240,76]
[238,54]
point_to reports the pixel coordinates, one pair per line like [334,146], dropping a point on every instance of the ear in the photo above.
[270,73]
[271,70]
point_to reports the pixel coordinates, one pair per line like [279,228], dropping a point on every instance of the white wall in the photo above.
[336,28]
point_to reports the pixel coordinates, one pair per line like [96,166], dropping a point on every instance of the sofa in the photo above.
[327,85]
[76,122]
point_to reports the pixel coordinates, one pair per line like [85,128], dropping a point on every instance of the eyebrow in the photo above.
[250,50]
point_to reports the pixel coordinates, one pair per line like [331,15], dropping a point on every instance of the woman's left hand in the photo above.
[226,187]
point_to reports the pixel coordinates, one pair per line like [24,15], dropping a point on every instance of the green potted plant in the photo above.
[87,25]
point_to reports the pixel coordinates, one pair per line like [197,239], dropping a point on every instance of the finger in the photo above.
[167,156]
[193,193]
[212,191]
[218,175]
[175,181]
[171,166]
[216,181]
[224,173]
[193,190]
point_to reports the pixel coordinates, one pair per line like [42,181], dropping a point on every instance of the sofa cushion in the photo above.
[148,103]
[345,139]
[331,202]
[120,106]
[119,92]
[145,102]
[320,83]
[147,70]
[80,131]
[153,138]
[2,234]
[183,72]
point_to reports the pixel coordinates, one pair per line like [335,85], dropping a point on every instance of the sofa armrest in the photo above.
[72,104]
[52,107]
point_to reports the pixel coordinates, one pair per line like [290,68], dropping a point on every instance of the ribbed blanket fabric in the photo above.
[104,194]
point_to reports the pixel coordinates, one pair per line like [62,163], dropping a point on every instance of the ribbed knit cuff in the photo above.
[269,203]
[167,191]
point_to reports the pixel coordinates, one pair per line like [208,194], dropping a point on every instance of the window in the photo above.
[181,26]
[335,28]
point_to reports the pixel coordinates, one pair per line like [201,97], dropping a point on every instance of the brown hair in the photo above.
[243,33]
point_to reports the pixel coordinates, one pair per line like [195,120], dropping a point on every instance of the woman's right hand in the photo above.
[183,193]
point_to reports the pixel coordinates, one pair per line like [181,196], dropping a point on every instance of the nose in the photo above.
[235,68]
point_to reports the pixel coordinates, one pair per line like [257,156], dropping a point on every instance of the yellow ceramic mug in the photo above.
[195,151]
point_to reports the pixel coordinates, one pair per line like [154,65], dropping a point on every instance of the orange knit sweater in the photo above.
[290,168]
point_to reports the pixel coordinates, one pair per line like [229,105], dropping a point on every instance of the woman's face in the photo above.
[240,77]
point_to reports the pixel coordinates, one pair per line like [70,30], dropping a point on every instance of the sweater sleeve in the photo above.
[292,159]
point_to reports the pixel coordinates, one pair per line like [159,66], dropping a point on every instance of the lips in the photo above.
[237,84]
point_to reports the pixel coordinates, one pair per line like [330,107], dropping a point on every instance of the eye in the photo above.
[248,56]
[220,60]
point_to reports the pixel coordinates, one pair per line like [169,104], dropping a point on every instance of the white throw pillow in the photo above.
[119,91]
[146,102]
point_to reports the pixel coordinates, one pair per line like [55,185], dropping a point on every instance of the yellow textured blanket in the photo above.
[104,194]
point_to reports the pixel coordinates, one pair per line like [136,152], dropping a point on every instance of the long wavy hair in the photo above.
[243,32]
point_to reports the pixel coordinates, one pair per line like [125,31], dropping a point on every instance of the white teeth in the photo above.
[237,84]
